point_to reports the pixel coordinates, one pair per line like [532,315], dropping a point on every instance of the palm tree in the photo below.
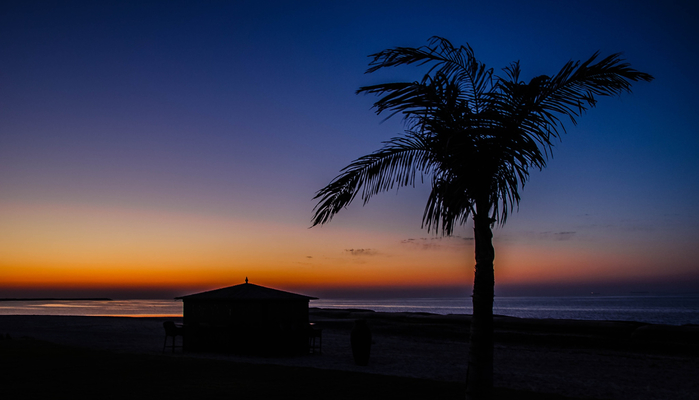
[476,134]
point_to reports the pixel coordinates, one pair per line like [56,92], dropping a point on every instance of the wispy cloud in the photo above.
[437,243]
[548,235]
[563,235]
[541,235]
[362,252]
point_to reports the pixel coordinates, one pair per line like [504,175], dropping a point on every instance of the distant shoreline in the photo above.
[59,299]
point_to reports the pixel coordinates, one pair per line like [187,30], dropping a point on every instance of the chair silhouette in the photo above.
[172,330]
[313,334]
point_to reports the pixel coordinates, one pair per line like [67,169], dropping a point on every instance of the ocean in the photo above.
[670,310]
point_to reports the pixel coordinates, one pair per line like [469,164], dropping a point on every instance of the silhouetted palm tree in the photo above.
[477,135]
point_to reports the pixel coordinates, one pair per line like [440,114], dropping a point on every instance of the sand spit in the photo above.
[591,359]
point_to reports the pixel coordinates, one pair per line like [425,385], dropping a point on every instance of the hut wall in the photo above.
[246,326]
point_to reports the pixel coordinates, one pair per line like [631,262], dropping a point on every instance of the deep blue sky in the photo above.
[123,122]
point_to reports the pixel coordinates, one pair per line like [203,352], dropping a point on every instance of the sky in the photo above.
[153,149]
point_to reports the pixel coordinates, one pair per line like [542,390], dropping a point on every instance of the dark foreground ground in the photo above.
[413,356]
[34,369]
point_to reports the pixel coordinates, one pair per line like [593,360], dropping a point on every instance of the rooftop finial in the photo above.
[246,279]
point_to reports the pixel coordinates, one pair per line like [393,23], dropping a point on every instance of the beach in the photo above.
[577,359]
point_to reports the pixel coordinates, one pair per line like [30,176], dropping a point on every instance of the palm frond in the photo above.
[448,64]
[575,88]
[447,205]
[397,164]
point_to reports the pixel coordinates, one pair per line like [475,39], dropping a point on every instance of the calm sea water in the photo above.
[672,310]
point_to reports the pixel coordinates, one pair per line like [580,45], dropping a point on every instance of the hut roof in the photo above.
[246,291]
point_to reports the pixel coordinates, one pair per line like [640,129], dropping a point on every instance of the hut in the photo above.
[246,319]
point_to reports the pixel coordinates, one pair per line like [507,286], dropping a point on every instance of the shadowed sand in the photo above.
[582,359]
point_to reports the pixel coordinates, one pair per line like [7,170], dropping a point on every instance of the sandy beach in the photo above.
[580,359]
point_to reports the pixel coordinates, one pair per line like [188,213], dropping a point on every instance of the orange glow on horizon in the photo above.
[71,247]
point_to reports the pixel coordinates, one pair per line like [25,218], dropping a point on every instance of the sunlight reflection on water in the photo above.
[111,308]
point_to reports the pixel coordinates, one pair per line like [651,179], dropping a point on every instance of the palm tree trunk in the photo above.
[479,375]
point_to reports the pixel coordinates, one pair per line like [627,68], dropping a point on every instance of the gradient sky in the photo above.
[156,149]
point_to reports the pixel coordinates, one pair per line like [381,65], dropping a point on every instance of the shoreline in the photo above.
[605,333]
[682,311]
